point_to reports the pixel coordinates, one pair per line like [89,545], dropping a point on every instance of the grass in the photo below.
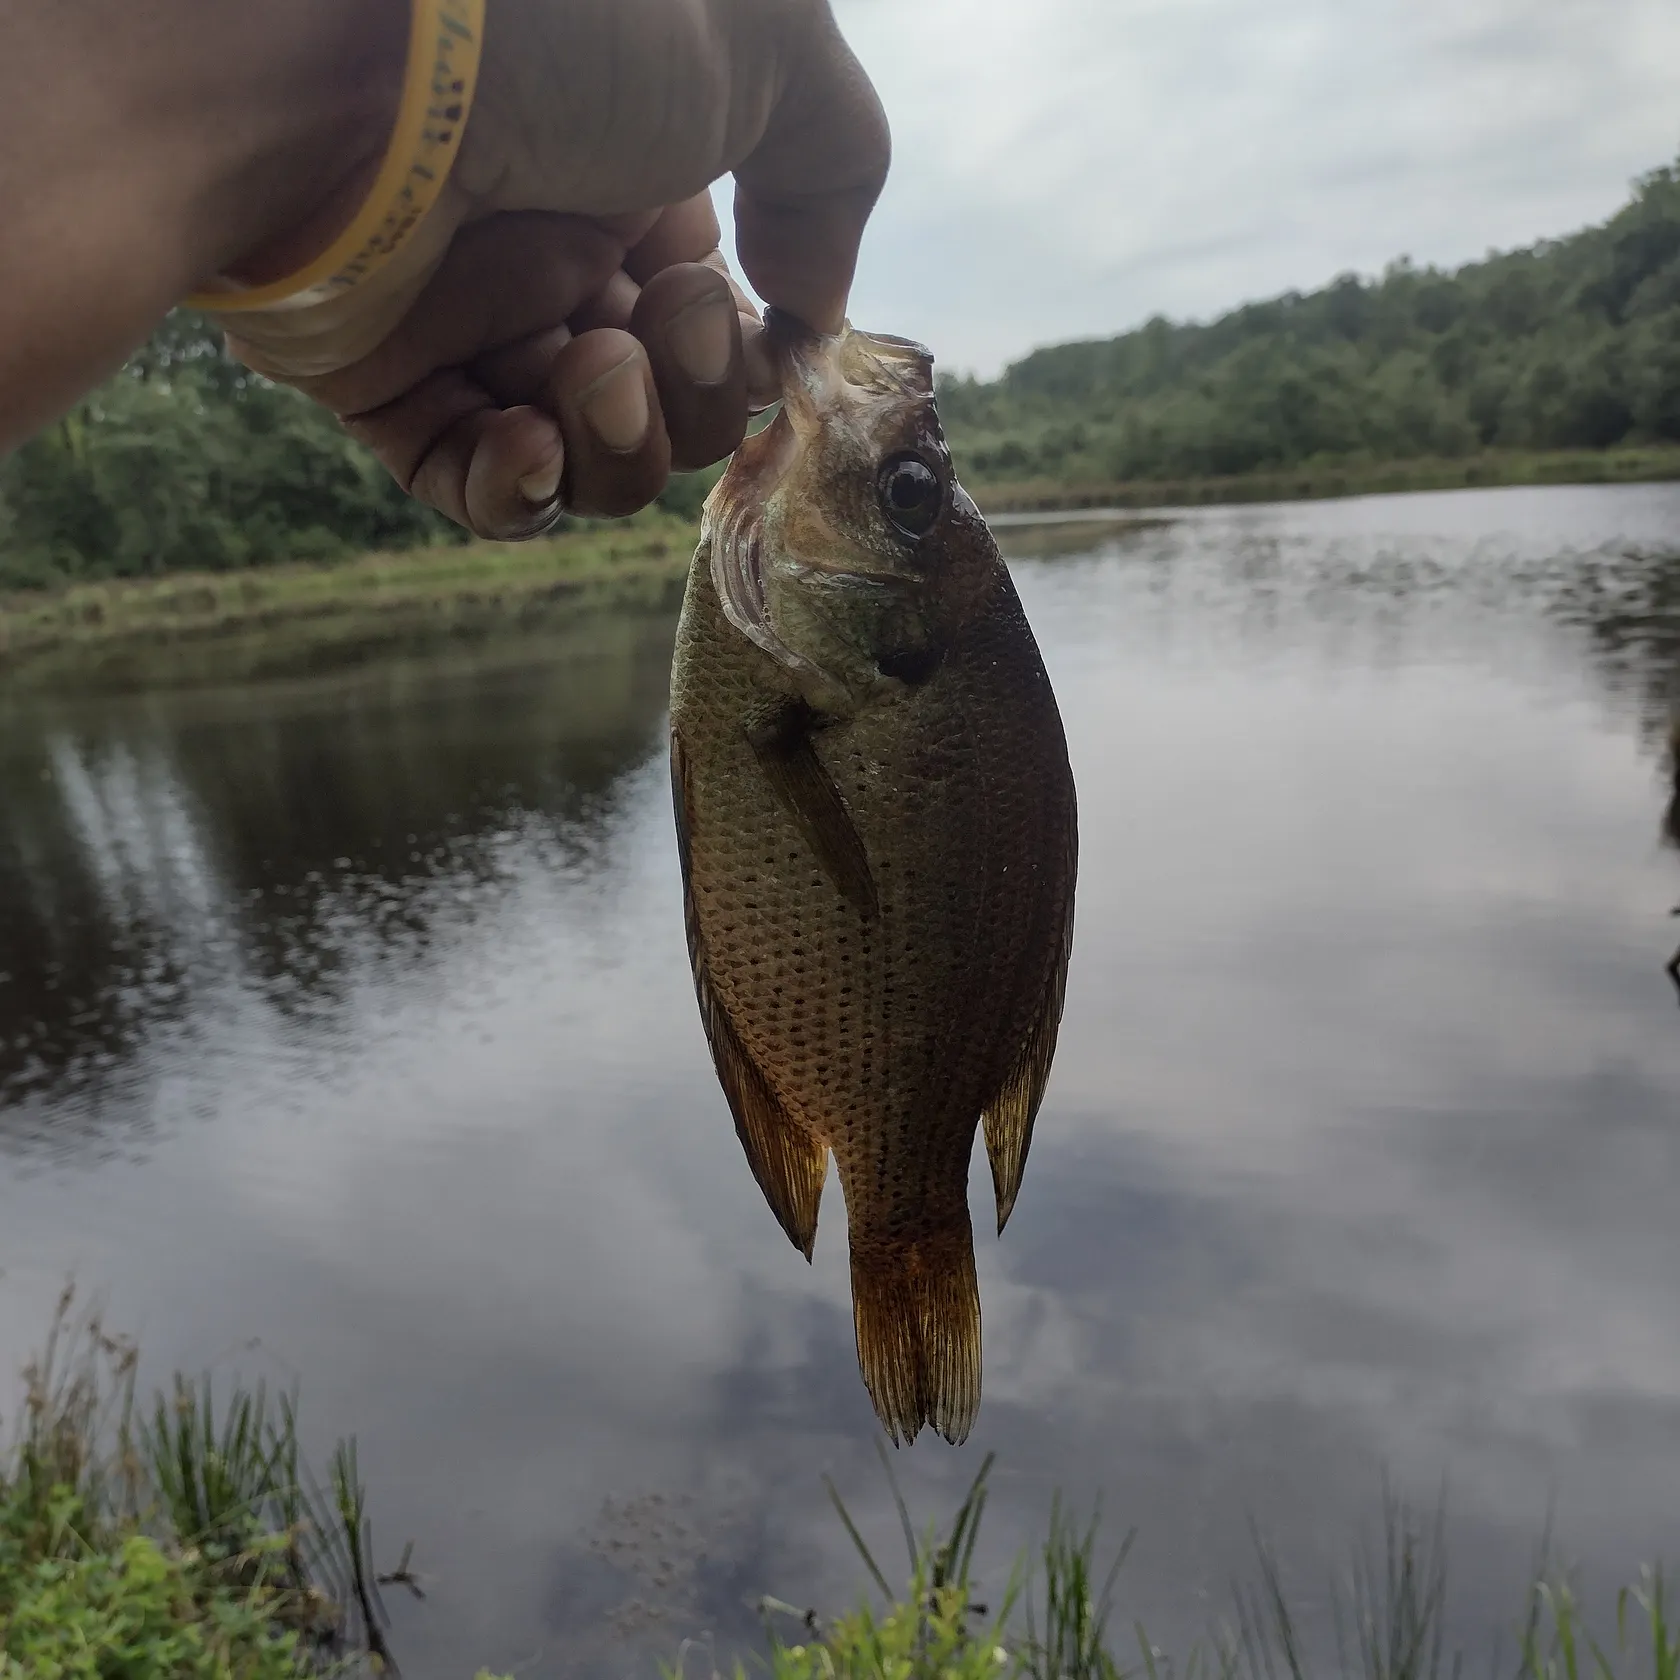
[1349,478]
[130,629]
[1058,1617]
[185,1539]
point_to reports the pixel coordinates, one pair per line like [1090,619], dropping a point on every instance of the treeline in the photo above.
[1572,343]
[187,461]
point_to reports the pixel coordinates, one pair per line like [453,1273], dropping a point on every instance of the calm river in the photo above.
[346,1033]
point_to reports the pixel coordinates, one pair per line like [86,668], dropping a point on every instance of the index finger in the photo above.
[804,193]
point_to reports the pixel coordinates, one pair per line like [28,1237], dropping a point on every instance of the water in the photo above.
[346,1032]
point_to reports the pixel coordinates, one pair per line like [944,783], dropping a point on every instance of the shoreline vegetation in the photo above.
[180,1539]
[289,619]
[1328,479]
[297,616]
[186,1539]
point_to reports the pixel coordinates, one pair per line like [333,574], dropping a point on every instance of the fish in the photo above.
[877,830]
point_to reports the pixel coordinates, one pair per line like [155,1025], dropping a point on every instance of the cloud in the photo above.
[1068,168]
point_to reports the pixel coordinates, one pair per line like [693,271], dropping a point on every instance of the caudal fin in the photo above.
[916,1309]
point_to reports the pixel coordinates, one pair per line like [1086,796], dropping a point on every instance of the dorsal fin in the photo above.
[788,1163]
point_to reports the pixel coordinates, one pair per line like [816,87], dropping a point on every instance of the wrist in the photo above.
[144,148]
[376,215]
[298,168]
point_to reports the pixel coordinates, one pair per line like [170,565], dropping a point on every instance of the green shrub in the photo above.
[138,1612]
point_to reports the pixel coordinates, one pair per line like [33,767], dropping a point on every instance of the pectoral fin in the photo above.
[789,1165]
[782,741]
[1008,1118]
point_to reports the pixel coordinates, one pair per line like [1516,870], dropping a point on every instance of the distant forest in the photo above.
[186,461]
[1572,343]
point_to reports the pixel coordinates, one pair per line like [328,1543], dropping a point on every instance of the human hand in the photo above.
[562,332]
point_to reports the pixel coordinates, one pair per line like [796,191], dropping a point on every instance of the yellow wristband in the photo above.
[444,43]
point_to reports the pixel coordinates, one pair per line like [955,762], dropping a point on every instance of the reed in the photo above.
[186,1537]
[1058,1619]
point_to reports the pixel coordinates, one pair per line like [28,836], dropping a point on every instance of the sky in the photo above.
[1068,168]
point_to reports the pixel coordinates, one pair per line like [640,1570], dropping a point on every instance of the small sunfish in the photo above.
[876,821]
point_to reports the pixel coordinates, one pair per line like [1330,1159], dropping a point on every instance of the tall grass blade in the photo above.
[857,1539]
[910,1547]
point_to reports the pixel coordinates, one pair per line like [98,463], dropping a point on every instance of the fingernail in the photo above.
[702,338]
[540,488]
[616,406]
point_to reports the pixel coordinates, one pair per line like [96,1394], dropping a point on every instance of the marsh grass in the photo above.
[1059,1620]
[140,629]
[192,1527]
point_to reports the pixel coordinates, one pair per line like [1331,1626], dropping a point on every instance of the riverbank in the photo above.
[193,626]
[177,1539]
[1315,481]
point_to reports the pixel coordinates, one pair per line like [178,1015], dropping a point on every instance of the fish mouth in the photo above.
[815,365]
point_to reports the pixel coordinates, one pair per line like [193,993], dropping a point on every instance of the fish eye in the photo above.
[911,494]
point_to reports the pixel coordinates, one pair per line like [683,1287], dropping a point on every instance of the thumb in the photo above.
[804,193]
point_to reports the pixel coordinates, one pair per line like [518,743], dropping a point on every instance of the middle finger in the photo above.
[687,318]
[618,454]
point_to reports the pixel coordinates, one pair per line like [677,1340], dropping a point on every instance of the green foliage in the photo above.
[186,461]
[1388,1614]
[133,1611]
[933,1630]
[216,1484]
[1574,343]
[926,1635]
[194,1544]
[1069,1640]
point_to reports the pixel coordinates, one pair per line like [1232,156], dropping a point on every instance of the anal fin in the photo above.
[783,745]
[789,1164]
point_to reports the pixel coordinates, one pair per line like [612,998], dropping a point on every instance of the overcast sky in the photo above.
[1067,168]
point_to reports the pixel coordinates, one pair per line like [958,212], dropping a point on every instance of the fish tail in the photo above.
[916,1309]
